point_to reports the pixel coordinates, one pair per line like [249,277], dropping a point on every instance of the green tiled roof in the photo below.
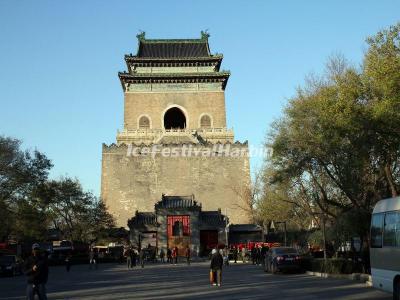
[173,48]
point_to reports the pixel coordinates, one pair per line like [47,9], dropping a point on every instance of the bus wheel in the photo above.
[396,289]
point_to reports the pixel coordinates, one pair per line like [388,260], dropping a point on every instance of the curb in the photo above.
[364,278]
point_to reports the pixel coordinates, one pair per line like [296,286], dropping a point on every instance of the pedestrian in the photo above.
[93,256]
[226,256]
[244,254]
[216,268]
[235,254]
[127,254]
[258,255]
[37,271]
[187,255]
[68,258]
[134,256]
[253,255]
[264,251]
[141,257]
[169,255]
[175,255]
[162,255]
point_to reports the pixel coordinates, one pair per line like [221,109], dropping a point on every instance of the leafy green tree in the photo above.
[336,148]
[31,222]
[20,173]
[79,215]
[381,75]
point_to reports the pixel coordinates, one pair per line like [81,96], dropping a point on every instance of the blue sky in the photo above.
[59,60]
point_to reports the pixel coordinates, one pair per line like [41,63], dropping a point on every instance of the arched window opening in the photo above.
[144,122]
[174,119]
[205,121]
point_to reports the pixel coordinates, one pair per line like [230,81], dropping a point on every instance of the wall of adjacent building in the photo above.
[131,183]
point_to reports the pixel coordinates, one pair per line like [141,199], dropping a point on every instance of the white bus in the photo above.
[385,246]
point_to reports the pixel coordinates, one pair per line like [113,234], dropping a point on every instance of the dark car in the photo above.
[10,265]
[282,259]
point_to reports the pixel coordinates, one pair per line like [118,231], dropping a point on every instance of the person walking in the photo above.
[258,255]
[244,254]
[254,255]
[216,268]
[128,255]
[235,254]
[175,255]
[264,251]
[187,255]
[135,255]
[162,255]
[169,256]
[68,258]
[226,256]
[141,257]
[93,256]
[37,271]
[132,257]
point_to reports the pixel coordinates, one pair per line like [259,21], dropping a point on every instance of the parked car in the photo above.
[282,259]
[10,265]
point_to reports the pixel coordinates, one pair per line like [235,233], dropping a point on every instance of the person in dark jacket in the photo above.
[187,255]
[93,257]
[264,251]
[216,267]
[258,255]
[162,255]
[142,256]
[175,255]
[68,259]
[134,256]
[235,254]
[254,255]
[37,271]
[128,254]
[169,256]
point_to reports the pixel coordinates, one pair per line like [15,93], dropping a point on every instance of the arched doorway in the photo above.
[174,119]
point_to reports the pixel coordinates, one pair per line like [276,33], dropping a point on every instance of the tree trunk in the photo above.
[389,178]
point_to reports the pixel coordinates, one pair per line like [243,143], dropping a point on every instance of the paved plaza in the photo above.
[114,281]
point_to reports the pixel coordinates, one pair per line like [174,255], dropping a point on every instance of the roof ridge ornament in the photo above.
[141,35]
[205,34]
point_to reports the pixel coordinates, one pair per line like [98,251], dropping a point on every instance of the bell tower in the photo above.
[174,100]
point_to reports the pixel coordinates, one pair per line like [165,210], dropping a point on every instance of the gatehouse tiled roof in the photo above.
[245,227]
[213,218]
[143,218]
[177,202]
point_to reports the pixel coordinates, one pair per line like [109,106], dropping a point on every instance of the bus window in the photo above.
[376,230]
[391,232]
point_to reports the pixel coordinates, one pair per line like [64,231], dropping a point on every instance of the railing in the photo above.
[157,132]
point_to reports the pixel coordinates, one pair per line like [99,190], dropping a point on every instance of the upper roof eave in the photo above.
[146,46]
[173,40]
[130,57]
[173,75]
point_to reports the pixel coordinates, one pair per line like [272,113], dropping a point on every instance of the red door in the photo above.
[178,232]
